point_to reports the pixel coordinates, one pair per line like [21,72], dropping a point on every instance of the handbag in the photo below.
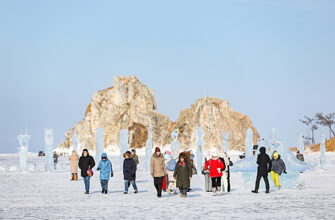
[90,172]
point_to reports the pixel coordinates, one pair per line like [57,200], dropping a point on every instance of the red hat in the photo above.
[157,150]
[167,152]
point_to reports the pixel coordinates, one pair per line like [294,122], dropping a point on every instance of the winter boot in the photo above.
[254,191]
[279,187]
[214,191]
[136,191]
[125,193]
[75,177]
[218,191]
[267,191]
[72,177]
[106,192]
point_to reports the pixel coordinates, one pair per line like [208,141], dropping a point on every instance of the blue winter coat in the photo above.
[105,167]
[129,169]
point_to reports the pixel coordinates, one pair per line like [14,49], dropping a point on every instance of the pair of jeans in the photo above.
[127,184]
[87,183]
[158,181]
[104,184]
[216,182]
[258,179]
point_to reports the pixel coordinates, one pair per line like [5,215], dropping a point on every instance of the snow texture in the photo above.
[42,195]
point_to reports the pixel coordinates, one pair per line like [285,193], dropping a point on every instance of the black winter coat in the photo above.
[129,169]
[84,163]
[264,164]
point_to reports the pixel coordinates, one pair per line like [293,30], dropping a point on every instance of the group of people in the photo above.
[274,166]
[217,173]
[170,174]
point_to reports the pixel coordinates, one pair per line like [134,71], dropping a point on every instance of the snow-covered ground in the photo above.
[40,195]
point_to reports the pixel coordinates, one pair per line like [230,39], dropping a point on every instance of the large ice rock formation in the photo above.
[131,105]
[215,116]
[127,105]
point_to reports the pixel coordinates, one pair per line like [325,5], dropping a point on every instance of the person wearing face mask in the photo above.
[86,163]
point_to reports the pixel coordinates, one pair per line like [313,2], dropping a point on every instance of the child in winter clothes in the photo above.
[170,168]
[129,172]
[215,167]
[278,167]
[183,175]
[106,171]
[208,180]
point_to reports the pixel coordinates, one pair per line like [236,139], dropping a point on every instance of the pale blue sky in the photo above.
[273,60]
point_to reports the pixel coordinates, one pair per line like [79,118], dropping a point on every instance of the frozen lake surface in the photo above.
[40,195]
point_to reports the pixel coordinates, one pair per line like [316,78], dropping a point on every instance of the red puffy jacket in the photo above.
[215,167]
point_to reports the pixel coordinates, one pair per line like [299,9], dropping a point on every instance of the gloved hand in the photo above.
[285,172]
[98,169]
[219,170]
[112,174]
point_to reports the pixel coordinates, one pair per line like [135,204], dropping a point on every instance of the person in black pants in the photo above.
[157,168]
[230,164]
[264,166]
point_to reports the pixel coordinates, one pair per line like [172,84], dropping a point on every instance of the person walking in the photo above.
[129,172]
[278,167]
[183,175]
[170,168]
[135,156]
[74,158]
[86,163]
[264,167]
[106,171]
[55,159]
[215,166]
[208,180]
[157,168]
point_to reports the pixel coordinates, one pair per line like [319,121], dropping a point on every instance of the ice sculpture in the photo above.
[100,143]
[49,147]
[225,142]
[249,143]
[294,167]
[301,145]
[274,136]
[200,157]
[75,143]
[323,152]
[148,149]
[175,145]
[23,139]
[123,142]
